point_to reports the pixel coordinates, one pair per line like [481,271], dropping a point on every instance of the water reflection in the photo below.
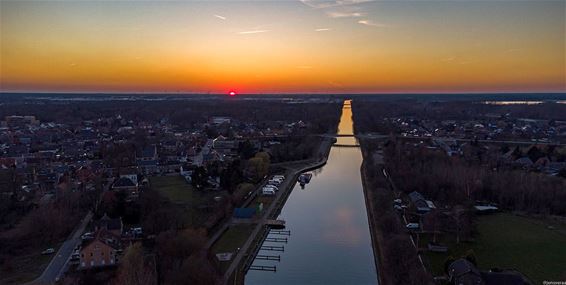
[346,125]
[330,241]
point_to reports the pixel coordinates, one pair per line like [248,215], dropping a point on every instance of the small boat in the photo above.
[305,178]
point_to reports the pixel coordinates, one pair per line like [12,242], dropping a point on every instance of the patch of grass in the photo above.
[176,189]
[511,242]
[266,200]
[25,268]
[231,240]
[193,203]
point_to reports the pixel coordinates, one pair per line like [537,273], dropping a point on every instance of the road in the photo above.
[58,263]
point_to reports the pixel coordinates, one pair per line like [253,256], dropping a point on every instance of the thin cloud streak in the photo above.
[330,4]
[220,17]
[322,30]
[336,14]
[253,32]
[372,24]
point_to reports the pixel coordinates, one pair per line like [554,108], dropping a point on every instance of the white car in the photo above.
[412,226]
[274,182]
[86,236]
[275,188]
[268,192]
[48,251]
[282,177]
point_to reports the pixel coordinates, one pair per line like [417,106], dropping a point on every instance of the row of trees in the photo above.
[369,114]
[185,113]
[451,180]
[398,260]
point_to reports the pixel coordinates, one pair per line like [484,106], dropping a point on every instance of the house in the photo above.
[524,162]
[103,250]
[113,226]
[421,205]
[147,159]
[464,272]
[222,144]
[125,184]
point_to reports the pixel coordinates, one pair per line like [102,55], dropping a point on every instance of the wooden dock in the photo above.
[272,248]
[263,268]
[280,232]
[268,257]
[276,239]
[275,224]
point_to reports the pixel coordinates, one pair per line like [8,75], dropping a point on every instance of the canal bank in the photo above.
[235,273]
[376,237]
[371,208]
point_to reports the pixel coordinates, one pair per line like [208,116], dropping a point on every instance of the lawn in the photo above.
[232,239]
[27,267]
[510,241]
[176,189]
[181,193]
[266,200]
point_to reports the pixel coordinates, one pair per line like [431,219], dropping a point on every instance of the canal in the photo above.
[330,241]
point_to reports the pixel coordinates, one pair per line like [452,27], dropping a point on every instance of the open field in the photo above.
[176,189]
[232,239]
[509,241]
[27,267]
[179,192]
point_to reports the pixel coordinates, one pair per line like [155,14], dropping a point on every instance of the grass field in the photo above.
[26,268]
[232,239]
[176,189]
[509,241]
[181,193]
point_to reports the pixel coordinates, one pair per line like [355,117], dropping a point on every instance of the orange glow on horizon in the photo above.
[282,47]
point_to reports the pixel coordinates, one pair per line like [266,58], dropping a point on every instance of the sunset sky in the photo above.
[347,46]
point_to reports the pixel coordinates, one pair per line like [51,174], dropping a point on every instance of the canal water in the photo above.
[330,241]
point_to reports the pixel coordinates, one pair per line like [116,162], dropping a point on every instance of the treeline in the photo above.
[321,116]
[398,260]
[452,181]
[43,226]
[296,148]
[368,114]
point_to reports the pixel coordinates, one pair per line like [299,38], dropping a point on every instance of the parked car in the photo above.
[412,226]
[271,187]
[48,251]
[274,183]
[86,236]
[268,192]
[282,177]
[137,231]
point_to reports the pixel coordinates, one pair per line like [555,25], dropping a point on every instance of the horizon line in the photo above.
[282,93]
